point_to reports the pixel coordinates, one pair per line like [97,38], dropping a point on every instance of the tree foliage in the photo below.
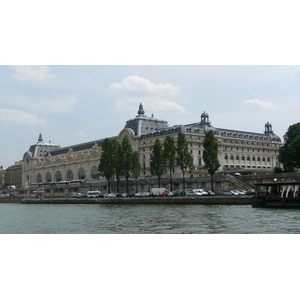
[126,159]
[210,154]
[136,166]
[184,158]
[108,160]
[289,153]
[157,161]
[169,149]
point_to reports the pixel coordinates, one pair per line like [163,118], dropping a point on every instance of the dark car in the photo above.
[251,192]
[130,195]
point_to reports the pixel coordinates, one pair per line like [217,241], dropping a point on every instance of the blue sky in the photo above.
[75,103]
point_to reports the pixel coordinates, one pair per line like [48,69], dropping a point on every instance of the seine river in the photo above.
[145,219]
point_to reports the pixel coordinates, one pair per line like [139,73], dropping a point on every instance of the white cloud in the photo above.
[259,104]
[135,85]
[14,116]
[155,97]
[44,106]
[33,74]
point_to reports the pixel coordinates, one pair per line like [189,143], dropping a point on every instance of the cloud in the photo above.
[14,116]
[62,105]
[156,97]
[135,85]
[32,74]
[259,104]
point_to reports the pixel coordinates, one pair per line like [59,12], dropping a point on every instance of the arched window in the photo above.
[258,158]
[39,178]
[243,157]
[69,176]
[48,177]
[95,173]
[231,157]
[237,157]
[58,176]
[253,158]
[248,158]
[81,174]
[226,157]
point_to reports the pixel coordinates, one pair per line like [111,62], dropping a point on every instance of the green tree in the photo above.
[126,160]
[107,165]
[170,156]
[136,167]
[157,161]
[184,159]
[119,163]
[210,154]
[289,153]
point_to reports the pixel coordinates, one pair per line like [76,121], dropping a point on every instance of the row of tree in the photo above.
[119,159]
[289,153]
[165,157]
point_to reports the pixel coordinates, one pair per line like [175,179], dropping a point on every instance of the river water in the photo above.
[145,219]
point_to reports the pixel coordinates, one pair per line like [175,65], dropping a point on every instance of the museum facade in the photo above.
[238,150]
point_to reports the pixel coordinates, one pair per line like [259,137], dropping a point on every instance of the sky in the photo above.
[71,104]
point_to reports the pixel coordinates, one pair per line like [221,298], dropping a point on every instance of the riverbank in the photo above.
[216,200]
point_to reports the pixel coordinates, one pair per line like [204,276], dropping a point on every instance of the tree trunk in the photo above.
[171,181]
[109,186]
[183,179]
[118,183]
[127,185]
[211,182]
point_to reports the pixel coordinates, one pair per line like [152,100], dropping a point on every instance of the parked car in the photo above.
[164,194]
[251,192]
[187,193]
[235,193]
[146,194]
[204,193]
[112,195]
[228,193]
[211,193]
[174,194]
[238,192]
[139,194]
[130,195]
[243,192]
[197,192]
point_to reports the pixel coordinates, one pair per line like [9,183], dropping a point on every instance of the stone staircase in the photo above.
[239,184]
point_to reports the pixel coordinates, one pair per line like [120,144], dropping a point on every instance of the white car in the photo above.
[112,195]
[235,193]
[242,192]
[198,192]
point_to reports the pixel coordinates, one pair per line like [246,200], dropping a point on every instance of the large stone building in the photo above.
[238,150]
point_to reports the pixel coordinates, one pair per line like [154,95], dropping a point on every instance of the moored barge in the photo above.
[277,195]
